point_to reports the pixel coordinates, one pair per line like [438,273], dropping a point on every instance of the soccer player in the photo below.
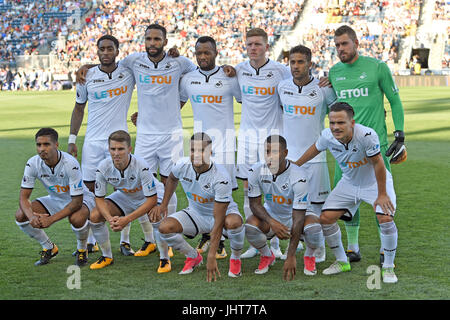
[60,174]
[211,93]
[211,209]
[363,82]
[364,178]
[136,193]
[305,106]
[284,188]
[261,110]
[107,91]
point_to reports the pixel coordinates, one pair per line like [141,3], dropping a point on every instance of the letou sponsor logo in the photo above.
[355,164]
[204,98]
[111,93]
[259,91]
[198,198]
[59,189]
[299,110]
[155,79]
[352,93]
[125,190]
[277,199]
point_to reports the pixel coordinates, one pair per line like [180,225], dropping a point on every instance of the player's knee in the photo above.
[20,216]
[382,218]
[252,220]
[77,221]
[168,226]
[327,218]
[95,216]
[311,219]
[233,221]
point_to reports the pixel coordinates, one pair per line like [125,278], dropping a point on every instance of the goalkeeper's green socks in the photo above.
[352,228]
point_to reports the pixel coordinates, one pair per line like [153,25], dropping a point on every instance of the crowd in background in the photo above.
[380,25]
[26,25]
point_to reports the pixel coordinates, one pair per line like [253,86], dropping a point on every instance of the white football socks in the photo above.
[38,234]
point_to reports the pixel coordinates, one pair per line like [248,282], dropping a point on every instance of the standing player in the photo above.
[363,82]
[60,174]
[284,188]
[305,106]
[135,195]
[211,209]
[211,94]
[108,90]
[365,178]
[261,112]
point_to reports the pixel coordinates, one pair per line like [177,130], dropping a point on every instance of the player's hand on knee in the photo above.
[324,82]
[280,230]
[119,224]
[155,214]
[46,221]
[134,117]
[35,222]
[385,203]
[397,149]
[173,52]
[289,268]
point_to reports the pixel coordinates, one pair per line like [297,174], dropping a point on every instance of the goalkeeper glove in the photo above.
[397,149]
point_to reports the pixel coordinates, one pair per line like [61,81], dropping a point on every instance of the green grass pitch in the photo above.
[421,183]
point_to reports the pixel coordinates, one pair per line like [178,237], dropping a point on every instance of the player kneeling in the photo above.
[365,178]
[60,174]
[211,209]
[135,195]
[285,189]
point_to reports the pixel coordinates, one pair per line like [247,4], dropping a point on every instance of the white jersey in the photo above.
[261,111]
[202,190]
[352,157]
[281,193]
[61,182]
[108,96]
[158,91]
[211,94]
[304,111]
[136,181]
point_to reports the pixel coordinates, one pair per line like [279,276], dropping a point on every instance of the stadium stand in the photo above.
[26,24]
[382,26]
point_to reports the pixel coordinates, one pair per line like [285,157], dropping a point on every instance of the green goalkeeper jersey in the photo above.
[362,85]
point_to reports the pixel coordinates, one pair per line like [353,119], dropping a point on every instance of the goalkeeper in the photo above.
[362,82]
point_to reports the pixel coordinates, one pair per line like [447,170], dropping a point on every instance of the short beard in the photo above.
[153,55]
[349,59]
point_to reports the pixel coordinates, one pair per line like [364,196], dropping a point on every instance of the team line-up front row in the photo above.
[282,184]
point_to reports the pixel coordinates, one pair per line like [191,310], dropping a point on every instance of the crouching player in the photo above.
[365,178]
[60,174]
[285,191]
[211,209]
[135,195]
